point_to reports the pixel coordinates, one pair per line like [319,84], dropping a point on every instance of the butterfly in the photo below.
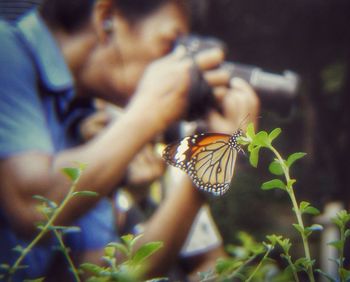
[208,158]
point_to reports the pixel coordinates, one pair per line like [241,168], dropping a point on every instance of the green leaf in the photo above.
[345,274]
[50,203]
[314,227]
[250,131]
[227,265]
[72,173]
[304,263]
[254,156]
[85,193]
[273,184]
[274,134]
[145,251]
[92,268]
[18,249]
[109,251]
[4,266]
[159,279]
[120,247]
[65,229]
[312,211]
[305,207]
[262,139]
[275,168]
[298,228]
[290,183]
[35,280]
[294,157]
[347,233]
[135,239]
[338,244]
[127,239]
[326,275]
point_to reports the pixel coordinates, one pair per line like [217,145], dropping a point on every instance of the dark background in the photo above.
[312,38]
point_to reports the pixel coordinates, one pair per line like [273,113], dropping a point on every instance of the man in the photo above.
[50,64]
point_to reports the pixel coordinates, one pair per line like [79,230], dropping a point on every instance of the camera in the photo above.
[275,90]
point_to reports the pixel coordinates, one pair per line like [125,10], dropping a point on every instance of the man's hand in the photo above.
[145,168]
[163,90]
[240,105]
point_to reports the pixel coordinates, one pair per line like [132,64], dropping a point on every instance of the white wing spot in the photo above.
[180,155]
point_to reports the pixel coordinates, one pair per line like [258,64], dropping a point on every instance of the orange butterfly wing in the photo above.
[208,158]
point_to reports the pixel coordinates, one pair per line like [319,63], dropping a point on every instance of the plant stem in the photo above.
[64,249]
[295,274]
[43,231]
[297,212]
[233,274]
[259,265]
[341,252]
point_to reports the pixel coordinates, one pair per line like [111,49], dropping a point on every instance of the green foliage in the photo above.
[247,261]
[130,269]
[280,167]
[50,210]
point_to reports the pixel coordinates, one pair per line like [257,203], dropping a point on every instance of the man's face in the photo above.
[119,65]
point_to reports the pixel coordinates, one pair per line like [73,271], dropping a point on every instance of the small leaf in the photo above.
[276,168]
[18,249]
[299,228]
[345,274]
[145,251]
[273,184]
[4,266]
[135,239]
[120,247]
[314,227]
[304,263]
[337,244]
[326,275]
[254,156]
[347,233]
[227,265]
[250,131]
[294,157]
[92,268]
[71,229]
[274,134]
[85,193]
[127,239]
[109,251]
[262,139]
[42,279]
[305,207]
[312,211]
[50,203]
[290,183]
[72,173]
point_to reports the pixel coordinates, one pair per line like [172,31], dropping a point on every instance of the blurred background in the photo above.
[311,38]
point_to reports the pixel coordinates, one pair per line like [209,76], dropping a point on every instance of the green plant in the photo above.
[249,267]
[130,269]
[281,167]
[50,211]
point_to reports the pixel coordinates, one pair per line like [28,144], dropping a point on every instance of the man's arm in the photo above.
[160,99]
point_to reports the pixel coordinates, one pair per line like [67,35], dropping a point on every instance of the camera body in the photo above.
[274,90]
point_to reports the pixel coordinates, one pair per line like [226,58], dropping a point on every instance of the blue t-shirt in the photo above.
[38,112]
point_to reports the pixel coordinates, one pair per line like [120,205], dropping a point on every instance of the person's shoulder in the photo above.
[14,55]
[7,31]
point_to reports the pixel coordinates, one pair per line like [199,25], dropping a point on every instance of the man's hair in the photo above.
[72,14]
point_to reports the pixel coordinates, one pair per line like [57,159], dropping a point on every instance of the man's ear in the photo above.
[102,19]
